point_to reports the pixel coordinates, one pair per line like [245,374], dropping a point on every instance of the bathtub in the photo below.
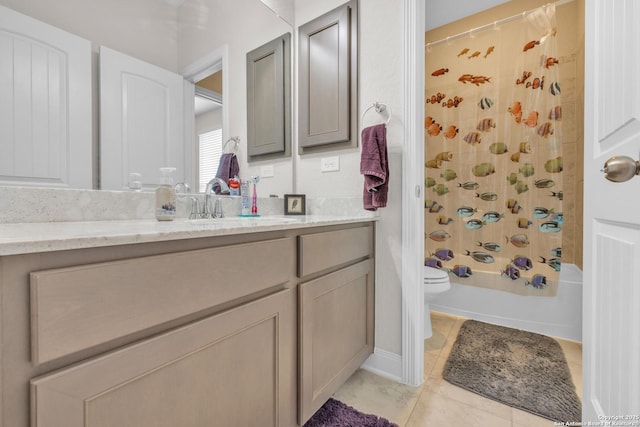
[559,316]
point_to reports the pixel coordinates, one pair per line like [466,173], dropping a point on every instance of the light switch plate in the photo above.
[330,164]
[266,171]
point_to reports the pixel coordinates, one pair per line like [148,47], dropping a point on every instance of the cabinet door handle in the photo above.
[621,168]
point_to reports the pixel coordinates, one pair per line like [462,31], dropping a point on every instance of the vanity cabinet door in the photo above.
[236,368]
[336,332]
[328,83]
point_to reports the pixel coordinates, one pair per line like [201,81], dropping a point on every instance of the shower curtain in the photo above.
[493,171]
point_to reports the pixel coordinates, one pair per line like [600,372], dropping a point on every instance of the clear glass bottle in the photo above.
[166,196]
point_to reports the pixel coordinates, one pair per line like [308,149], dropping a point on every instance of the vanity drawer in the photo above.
[76,308]
[322,251]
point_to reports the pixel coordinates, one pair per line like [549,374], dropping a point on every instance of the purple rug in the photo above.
[336,414]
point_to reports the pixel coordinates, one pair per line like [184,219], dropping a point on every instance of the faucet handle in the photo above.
[207,210]
[217,210]
[195,208]
[182,187]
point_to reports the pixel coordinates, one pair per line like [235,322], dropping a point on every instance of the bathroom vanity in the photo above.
[191,323]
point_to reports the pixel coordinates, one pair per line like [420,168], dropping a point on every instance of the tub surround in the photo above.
[559,316]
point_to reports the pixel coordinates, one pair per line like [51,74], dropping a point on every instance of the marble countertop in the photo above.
[22,238]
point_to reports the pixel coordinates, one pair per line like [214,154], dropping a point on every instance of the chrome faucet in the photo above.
[217,211]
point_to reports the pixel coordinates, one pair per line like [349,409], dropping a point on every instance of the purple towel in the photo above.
[227,168]
[374,165]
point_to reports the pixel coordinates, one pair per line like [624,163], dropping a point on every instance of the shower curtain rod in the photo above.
[492,25]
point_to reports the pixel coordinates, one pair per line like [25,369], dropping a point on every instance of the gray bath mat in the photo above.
[521,369]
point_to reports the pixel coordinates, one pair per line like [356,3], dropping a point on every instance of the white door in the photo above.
[141,121]
[611,316]
[45,104]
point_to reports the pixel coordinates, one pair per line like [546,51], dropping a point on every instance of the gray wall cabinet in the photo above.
[328,81]
[269,100]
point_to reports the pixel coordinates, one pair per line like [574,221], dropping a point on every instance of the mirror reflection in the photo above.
[208,127]
[189,38]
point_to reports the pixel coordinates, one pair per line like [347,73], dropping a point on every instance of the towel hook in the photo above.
[380,108]
[236,142]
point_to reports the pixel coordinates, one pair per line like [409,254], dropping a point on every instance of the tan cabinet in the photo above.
[335,312]
[336,332]
[232,369]
[196,332]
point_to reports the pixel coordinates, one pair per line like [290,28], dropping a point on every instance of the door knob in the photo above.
[621,168]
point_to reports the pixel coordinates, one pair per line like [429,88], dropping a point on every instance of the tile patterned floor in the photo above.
[438,403]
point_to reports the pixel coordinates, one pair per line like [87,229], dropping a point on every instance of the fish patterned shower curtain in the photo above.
[493,169]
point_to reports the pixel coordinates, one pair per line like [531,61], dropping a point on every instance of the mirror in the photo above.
[175,35]
[284,9]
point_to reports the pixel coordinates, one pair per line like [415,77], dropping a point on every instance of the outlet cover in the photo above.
[330,164]
[266,171]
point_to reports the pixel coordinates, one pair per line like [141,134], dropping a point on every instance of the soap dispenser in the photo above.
[166,196]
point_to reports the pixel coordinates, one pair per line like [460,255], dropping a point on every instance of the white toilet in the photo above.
[435,282]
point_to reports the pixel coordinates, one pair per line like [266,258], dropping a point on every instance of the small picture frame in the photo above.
[295,204]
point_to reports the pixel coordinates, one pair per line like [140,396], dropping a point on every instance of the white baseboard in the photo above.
[385,364]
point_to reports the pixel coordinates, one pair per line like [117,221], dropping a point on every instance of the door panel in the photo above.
[268,99]
[236,368]
[141,121]
[45,106]
[328,70]
[336,333]
[611,319]
[614,319]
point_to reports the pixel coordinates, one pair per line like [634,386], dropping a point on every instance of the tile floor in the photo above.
[438,403]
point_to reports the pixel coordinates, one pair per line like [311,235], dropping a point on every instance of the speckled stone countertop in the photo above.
[22,238]
[43,219]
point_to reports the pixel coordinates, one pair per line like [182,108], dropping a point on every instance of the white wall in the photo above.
[381,78]
[208,121]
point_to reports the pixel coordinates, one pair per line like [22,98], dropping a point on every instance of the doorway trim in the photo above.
[412,195]
[211,63]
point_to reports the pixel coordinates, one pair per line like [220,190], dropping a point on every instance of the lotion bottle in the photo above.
[246,199]
[166,196]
